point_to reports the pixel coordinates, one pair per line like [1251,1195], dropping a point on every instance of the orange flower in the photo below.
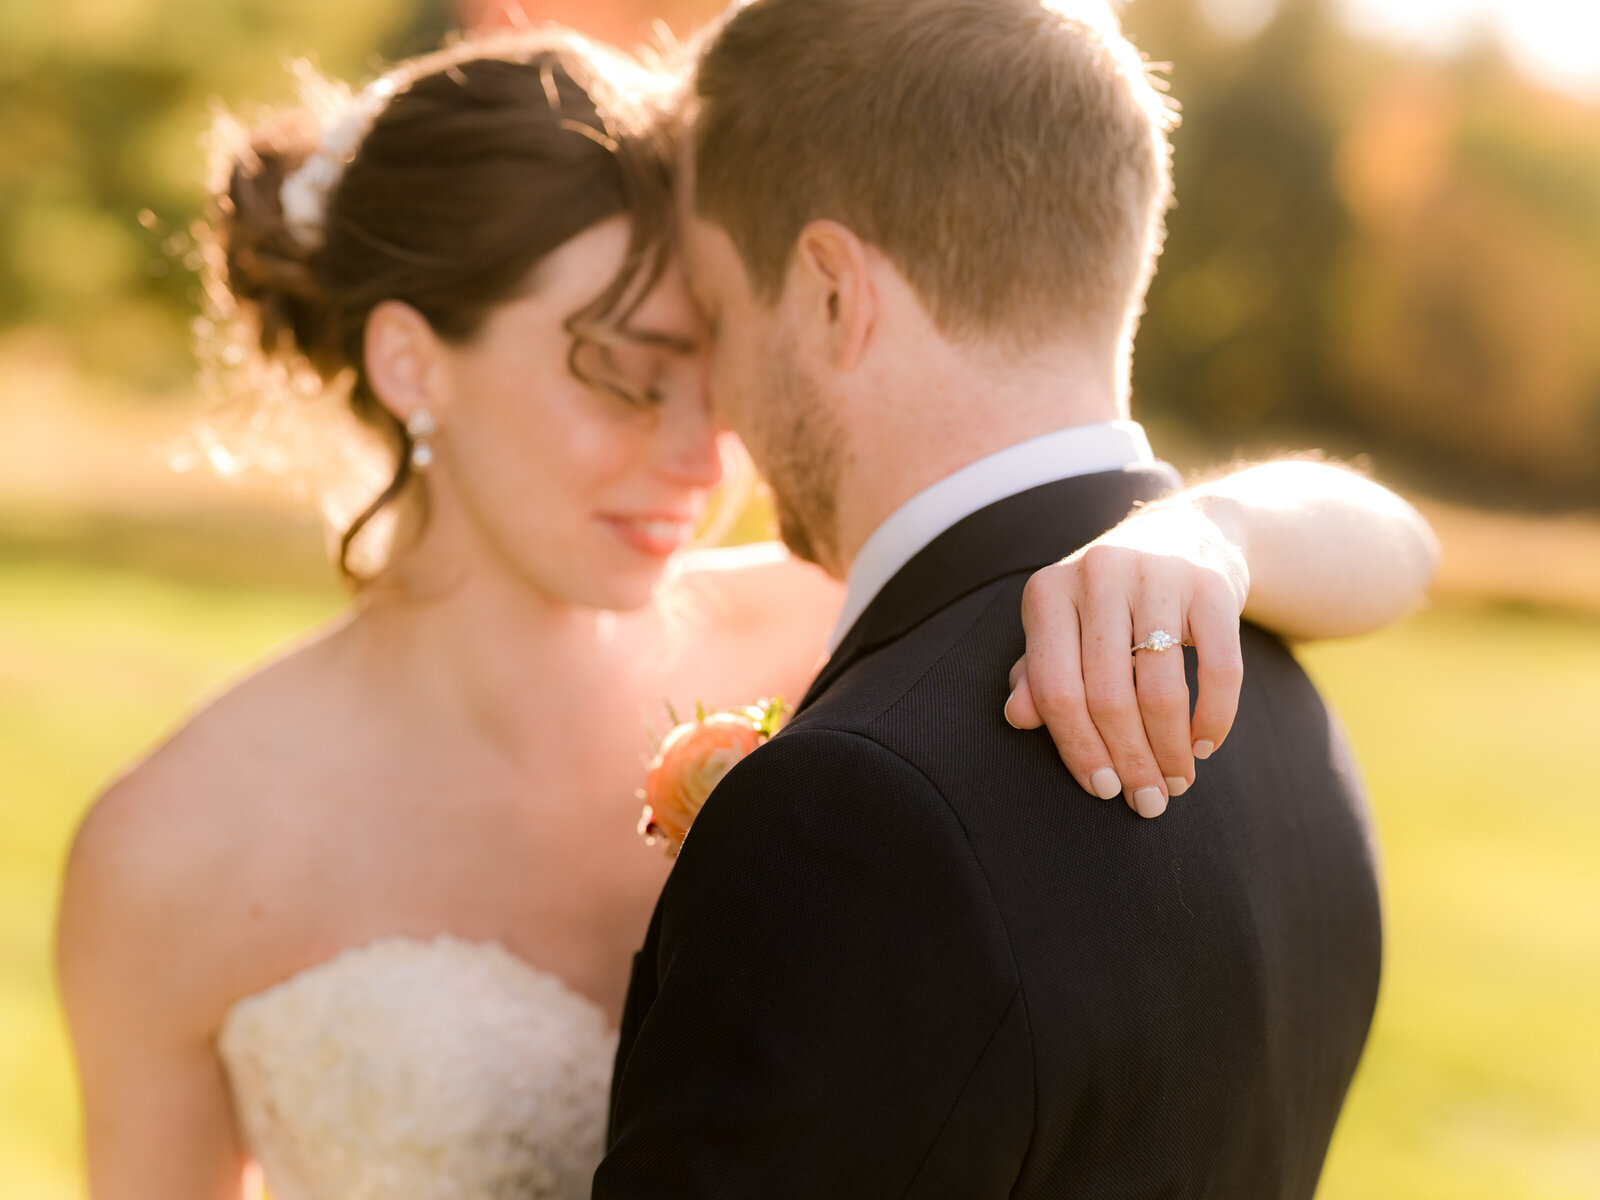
[693,759]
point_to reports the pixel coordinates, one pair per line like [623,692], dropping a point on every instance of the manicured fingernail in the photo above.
[1149,802]
[1177,785]
[1105,784]
[1203,749]
[1007,710]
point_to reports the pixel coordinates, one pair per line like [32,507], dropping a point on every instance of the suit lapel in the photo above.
[1020,533]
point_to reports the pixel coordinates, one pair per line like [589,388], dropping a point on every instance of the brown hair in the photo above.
[1009,156]
[489,155]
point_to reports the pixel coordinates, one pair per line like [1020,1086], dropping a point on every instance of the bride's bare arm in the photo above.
[157,1116]
[1306,549]
[1330,553]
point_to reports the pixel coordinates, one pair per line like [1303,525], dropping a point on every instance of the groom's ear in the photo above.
[838,289]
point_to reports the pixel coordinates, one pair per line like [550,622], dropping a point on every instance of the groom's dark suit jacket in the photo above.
[903,954]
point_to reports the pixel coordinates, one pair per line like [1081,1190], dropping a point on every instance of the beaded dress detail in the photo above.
[414,1070]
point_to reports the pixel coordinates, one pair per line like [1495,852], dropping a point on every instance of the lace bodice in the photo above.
[409,1070]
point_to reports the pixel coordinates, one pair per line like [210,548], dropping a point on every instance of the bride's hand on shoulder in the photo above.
[1306,549]
[1122,720]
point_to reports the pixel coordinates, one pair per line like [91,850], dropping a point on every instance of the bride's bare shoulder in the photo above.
[233,749]
[759,587]
[753,619]
[169,848]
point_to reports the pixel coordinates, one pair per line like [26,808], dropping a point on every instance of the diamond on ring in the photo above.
[1158,640]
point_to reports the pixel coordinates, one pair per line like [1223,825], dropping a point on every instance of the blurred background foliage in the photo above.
[101,103]
[1371,248]
[1376,251]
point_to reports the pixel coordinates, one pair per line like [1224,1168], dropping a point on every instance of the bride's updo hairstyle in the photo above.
[461,170]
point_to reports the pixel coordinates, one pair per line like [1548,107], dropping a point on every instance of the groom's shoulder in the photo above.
[816,783]
[853,798]
[955,661]
[837,781]
[834,828]
[847,755]
[935,697]
[939,690]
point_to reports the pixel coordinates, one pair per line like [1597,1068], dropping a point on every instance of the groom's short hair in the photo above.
[1009,156]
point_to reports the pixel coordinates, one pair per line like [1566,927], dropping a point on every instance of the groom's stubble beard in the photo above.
[802,449]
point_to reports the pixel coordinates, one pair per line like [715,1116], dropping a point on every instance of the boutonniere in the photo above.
[692,759]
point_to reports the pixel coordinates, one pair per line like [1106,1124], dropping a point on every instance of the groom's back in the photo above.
[904,954]
[1196,989]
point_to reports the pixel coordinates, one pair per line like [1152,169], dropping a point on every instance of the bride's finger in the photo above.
[1048,690]
[1163,694]
[1214,627]
[1108,676]
[1020,710]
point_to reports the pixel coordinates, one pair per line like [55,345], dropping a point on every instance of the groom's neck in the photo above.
[938,413]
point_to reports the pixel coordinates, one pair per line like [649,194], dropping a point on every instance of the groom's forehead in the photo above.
[695,265]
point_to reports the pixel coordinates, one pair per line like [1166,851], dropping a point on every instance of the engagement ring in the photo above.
[1158,640]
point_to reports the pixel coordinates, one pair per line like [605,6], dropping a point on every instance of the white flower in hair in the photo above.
[345,117]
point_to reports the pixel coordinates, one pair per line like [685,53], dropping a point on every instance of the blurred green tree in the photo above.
[101,106]
[1377,249]
[1370,248]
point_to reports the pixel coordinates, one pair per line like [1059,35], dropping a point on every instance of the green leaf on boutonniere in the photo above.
[772,713]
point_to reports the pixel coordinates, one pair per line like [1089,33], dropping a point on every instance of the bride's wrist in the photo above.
[1205,520]
[1229,515]
[1209,528]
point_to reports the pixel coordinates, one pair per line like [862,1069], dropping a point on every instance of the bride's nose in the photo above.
[690,455]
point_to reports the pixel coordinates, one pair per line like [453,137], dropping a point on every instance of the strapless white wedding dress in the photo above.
[413,1070]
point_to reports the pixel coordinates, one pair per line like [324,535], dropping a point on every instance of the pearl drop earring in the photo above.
[421,426]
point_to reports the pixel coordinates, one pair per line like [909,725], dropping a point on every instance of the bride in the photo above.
[363,924]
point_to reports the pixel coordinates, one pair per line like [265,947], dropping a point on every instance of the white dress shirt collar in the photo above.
[1080,450]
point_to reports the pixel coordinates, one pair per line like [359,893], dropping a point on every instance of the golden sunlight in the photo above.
[1556,41]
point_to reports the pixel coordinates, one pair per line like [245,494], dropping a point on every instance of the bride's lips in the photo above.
[658,535]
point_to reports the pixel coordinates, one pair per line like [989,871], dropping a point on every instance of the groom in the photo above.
[902,954]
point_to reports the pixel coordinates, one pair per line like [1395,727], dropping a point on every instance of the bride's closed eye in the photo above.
[636,367]
[622,370]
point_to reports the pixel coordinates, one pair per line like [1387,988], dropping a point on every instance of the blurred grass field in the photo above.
[1475,727]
